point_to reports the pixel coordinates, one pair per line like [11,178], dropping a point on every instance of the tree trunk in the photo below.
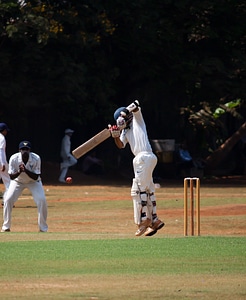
[219,154]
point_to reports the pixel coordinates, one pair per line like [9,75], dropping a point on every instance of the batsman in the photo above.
[130,128]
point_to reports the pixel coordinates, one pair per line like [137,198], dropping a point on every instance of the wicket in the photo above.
[189,182]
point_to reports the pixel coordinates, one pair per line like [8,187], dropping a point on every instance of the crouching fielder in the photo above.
[24,172]
[131,129]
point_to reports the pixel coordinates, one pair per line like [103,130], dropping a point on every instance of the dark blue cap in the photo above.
[25,144]
[4,126]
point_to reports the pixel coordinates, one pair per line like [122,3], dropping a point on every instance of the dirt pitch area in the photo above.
[103,206]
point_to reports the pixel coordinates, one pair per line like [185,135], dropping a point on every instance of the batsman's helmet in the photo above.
[128,118]
[117,112]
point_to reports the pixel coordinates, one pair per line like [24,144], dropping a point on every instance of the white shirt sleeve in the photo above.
[3,160]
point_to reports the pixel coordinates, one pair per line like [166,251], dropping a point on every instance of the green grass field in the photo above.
[156,268]
[90,251]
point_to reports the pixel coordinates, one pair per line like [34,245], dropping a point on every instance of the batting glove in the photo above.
[115,131]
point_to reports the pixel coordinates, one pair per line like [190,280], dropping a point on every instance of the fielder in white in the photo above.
[24,172]
[131,129]
[68,159]
[4,129]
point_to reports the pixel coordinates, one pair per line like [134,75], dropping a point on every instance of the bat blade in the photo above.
[91,143]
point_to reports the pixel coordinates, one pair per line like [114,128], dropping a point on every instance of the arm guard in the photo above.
[130,108]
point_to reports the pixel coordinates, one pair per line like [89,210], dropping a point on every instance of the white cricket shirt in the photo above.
[33,165]
[136,135]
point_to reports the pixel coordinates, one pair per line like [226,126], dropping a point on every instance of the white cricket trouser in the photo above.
[14,191]
[143,185]
[143,166]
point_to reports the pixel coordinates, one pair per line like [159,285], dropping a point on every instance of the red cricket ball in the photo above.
[69,180]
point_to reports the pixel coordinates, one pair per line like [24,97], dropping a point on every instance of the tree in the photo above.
[74,62]
[220,153]
[221,129]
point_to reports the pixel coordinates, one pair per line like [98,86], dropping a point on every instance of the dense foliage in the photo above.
[72,63]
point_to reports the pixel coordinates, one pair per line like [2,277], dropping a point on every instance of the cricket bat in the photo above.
[91,143]
[101,136]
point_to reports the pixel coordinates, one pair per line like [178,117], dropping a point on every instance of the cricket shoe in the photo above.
[152,229]
[5,230]
[143,227]
[62,180]
[3,204]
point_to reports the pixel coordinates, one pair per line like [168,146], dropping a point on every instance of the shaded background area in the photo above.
[70,64]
